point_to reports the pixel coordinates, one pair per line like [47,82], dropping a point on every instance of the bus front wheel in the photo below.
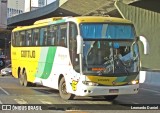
[110,97]
[63,92]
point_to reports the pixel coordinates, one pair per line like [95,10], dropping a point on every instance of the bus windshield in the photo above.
[110,57]
[107,31]
[109,49]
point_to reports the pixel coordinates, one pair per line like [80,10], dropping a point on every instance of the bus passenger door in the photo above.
[73,46]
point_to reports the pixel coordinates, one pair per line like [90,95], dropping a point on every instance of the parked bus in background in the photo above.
[79,56]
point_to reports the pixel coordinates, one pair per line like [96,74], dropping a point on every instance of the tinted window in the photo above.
[17,38]
[107,31]
[35,34]
[52,35]
[62,36]
[22,38]
[28,38]
[43,36]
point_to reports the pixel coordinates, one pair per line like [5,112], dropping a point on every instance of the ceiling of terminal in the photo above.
[67,8]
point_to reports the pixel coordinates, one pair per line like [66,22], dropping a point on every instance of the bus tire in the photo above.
[62,90]
[21,79]
[110,97]
[26,83]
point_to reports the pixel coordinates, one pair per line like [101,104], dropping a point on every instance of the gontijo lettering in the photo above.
[28,53]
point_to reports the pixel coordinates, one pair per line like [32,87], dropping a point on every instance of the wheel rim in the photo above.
[21,79]
[25,79]
[63,88]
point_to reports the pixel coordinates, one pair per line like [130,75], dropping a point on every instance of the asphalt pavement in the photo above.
[12,93]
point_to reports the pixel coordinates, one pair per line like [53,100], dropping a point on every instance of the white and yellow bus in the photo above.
[79,56]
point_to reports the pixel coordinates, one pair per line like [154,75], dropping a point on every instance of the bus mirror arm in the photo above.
[145,44]
[79,44]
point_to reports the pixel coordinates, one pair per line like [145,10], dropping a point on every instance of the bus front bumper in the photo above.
[106,90]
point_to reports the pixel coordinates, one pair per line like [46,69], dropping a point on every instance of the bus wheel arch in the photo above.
[62,89]
[60,77]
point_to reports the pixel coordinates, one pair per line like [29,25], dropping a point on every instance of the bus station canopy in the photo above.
[61,8]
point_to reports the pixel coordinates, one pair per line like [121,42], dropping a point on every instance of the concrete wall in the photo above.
[147,24]
[148,77]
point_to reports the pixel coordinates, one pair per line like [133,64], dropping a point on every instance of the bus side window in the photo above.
[14,39]
[22,38]
[52,35]
[52,40]
[17,38]
[28,38]
[45,39]
[62,42]
[63,35]
[36,37]
[55,36]
[43,36]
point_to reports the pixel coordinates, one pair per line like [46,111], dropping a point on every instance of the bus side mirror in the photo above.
[79,44]
[145,44]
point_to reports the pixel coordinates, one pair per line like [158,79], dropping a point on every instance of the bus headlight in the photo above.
[89,83]
[134,82]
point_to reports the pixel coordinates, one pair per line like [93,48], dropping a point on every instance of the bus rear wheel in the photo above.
[23,79]
[110,97]
[63,92]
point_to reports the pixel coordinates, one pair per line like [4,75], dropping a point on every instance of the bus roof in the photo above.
[80,19]
[101,19]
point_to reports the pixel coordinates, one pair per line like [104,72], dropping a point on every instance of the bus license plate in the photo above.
[113,90]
